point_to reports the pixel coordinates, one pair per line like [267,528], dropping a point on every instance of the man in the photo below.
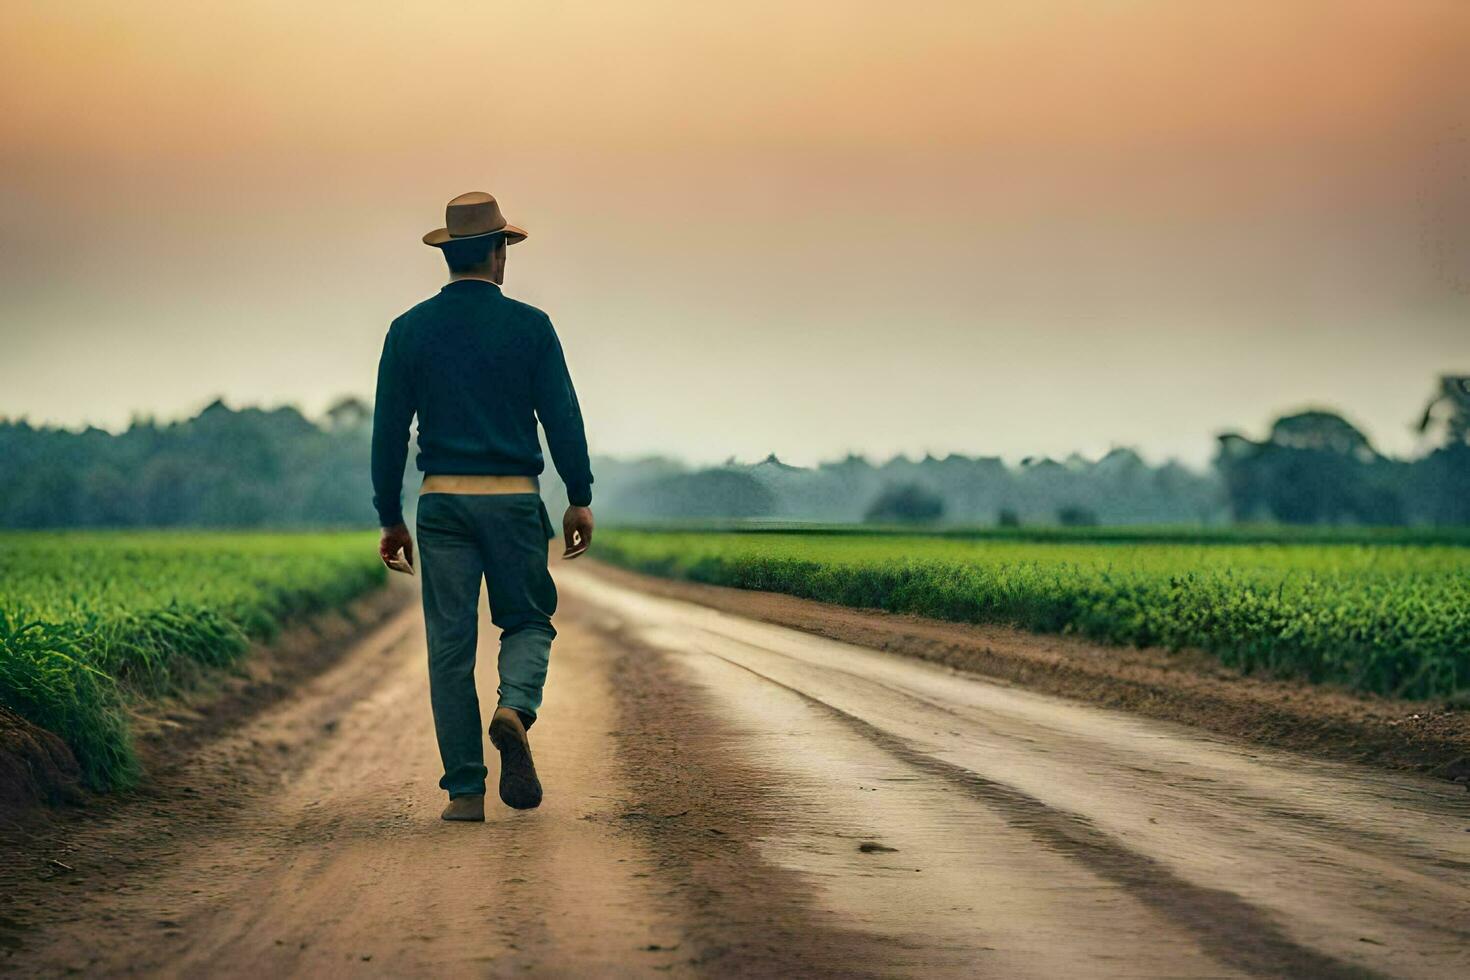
[479,369]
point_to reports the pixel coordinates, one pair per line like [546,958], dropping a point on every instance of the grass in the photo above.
[91,621]
[1100,534]
[1378,615]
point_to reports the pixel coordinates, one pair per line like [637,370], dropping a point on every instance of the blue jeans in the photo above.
[462,539]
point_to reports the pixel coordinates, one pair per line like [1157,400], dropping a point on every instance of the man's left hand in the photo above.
[393,539]
[576,524]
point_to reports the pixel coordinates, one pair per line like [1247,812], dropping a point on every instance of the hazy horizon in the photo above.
[1010,228]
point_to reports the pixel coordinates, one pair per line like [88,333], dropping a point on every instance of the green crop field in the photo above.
[1385,617]
[91,621]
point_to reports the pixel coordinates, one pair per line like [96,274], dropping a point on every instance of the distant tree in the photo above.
[1314,468]
[349,413]
[1451,407]
[1007,518]
[1075,516]
[906,503]
[1441,485]
[1321,432]
[706,494]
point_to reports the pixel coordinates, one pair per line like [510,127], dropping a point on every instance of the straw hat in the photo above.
[473,215]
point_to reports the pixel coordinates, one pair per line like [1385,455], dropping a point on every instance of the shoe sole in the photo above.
[519,787]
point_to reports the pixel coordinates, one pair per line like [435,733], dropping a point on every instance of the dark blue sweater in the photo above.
[479,369]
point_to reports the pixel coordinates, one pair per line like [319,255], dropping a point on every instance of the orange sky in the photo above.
[1021,226]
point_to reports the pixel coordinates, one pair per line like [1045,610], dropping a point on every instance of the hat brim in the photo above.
[440,237]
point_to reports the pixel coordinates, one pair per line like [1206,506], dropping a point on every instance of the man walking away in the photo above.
[479,369]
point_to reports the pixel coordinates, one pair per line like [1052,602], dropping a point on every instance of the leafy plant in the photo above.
[90,622]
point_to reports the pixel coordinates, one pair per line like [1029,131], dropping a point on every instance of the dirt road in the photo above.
[729,797]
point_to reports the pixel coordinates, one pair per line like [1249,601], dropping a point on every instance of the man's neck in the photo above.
[459,278]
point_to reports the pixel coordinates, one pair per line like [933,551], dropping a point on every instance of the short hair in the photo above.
[470,254]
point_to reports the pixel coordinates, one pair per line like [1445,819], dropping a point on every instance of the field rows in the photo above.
[1383,617]
[90,621]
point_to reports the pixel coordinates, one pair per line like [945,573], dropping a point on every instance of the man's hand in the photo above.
[577,525]
[394,538]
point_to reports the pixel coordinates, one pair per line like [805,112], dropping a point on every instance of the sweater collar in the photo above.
[454,283]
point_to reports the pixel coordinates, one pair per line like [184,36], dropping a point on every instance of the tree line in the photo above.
[253,467]
[222,468]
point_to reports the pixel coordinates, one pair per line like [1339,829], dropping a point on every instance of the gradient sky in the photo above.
[1009,227]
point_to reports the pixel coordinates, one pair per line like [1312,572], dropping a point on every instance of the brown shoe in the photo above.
[519,787]
[470,808]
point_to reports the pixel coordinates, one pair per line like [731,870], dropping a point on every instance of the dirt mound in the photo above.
[35,765]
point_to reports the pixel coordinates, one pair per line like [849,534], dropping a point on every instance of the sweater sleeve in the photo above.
[393,410]
[561,417]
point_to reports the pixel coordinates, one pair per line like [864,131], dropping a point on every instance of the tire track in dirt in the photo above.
[1185,686]
[1230,929]
[1268,863]
[728,798]
[305,842]
[704,805]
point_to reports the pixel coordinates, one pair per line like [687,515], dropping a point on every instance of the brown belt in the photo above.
[469,483]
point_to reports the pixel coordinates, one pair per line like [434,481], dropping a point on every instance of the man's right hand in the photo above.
[577,525]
